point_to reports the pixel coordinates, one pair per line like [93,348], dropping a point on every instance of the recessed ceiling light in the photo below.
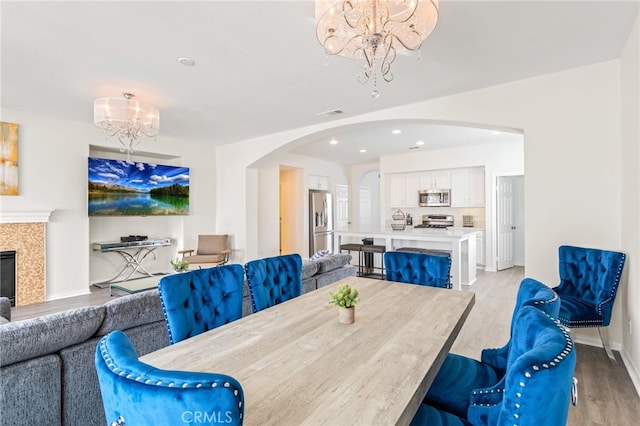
[396,131]
[420,143]
[333,141]
[494,132]
[187,61]
[363,150]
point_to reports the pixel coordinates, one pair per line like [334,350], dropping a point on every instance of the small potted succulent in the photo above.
[180,265]
[345,298]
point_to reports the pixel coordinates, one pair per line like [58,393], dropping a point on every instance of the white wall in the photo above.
[52,162]
[498,159]
[629,293]
[268,206]
[571,122]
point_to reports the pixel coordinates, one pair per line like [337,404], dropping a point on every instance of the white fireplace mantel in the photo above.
[25,216]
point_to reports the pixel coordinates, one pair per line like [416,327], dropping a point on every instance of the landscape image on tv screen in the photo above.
[133,188]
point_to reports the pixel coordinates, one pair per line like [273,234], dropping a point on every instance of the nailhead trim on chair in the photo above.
[543,302]
[110,363]
[528,374]
[614,288]
[166,319]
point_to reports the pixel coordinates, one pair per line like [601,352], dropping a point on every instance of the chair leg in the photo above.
[604,337]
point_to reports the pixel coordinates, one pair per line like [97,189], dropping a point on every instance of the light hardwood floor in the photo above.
[606,393]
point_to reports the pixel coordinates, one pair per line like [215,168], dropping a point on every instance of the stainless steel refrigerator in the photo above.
[320,221]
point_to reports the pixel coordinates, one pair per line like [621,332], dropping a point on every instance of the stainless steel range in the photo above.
[435,221]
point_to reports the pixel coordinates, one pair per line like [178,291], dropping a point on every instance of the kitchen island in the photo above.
[460,242]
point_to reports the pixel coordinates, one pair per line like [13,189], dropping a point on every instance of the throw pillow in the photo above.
[319,254]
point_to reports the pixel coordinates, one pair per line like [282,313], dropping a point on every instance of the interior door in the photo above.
[506,224]
[342,206]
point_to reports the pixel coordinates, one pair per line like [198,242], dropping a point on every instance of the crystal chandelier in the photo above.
[126,119]
[373,31]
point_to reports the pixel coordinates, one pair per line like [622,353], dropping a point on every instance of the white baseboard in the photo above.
[632,370]
[626,359]
[69,294]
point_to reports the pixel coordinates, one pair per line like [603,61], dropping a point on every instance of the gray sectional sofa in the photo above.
[326,270]
[47,373]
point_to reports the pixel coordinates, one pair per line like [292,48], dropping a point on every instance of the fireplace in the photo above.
[8,275]
[24,233]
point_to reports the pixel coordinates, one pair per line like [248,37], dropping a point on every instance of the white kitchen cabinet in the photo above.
[403,190]
[318,182]
[480,259]
[467,187]
[437,179]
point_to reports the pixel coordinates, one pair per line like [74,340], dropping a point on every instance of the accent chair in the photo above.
[213,250]
[460,375]
[200,300]
[538,385]
[135,393]
[418,268]
[273,280]
[589,281]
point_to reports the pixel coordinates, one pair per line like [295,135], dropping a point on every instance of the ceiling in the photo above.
[259,68]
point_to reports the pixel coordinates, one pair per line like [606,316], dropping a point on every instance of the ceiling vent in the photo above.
[330,113]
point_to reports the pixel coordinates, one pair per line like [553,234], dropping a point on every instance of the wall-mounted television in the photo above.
[133,188]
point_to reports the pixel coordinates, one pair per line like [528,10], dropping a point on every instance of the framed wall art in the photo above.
[8,158]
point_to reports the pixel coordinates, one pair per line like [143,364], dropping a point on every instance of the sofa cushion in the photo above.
[80,396]
[333,261]
[22,340]
[78,372]
[323,280]
[309,268]
[131,311]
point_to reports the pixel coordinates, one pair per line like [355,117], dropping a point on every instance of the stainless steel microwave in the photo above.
[434,198]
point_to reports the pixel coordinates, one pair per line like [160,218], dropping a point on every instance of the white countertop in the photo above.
[410,232]
[461,242]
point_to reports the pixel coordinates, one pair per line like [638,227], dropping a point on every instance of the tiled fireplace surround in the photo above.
[25,232]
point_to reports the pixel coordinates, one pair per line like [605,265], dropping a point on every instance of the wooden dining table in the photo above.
[298,365]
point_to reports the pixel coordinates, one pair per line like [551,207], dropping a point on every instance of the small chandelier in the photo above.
[126,119]
[374,31]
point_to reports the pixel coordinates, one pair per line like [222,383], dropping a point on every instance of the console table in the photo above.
[134,253]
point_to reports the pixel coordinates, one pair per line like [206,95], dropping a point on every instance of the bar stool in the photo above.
[349,247]
[368,252]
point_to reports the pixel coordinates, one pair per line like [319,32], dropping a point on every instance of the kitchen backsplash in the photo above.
[457,213]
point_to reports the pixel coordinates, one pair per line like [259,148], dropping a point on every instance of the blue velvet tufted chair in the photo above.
[418,268]
[538,384]
[530,293]
[273,280]
[135,393]
[460,375]
[200,300]
[589,281]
